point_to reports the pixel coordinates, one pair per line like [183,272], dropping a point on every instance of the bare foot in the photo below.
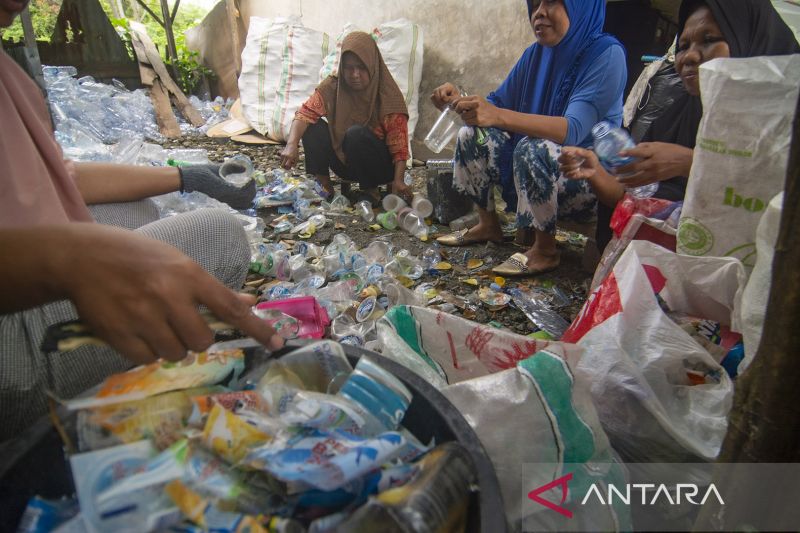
[484,232]
[539,260]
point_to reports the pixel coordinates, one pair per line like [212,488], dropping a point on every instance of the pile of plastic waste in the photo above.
[107,122]
[223,442]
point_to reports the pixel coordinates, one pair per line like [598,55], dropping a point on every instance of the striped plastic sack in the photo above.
[532,412]
[400,42]
[280,68]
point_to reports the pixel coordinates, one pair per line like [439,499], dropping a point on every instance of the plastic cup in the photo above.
[237,170]
[388,220]
[443,130]
[392,202]
[422,206]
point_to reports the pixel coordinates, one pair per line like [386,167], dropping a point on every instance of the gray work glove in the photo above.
[206,179]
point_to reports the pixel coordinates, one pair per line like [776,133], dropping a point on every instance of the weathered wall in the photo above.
[474,47]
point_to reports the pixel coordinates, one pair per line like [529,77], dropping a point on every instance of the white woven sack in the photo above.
[280,70]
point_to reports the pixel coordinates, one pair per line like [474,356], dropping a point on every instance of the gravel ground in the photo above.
[570,277]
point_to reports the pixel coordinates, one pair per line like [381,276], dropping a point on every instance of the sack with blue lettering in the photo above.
[741,155]
[530,408]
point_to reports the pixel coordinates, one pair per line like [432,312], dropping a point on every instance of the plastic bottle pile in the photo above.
[101,122]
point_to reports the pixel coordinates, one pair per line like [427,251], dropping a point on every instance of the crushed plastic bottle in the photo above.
[608,143]
[464,222]
[540,313]
[437,499]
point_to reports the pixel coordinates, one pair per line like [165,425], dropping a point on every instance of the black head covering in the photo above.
[751,28]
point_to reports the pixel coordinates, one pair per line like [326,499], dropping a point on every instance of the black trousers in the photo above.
[368,159]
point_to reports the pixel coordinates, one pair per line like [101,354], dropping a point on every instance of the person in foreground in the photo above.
[138,290]
[572,77]
[365,138]
[707,29]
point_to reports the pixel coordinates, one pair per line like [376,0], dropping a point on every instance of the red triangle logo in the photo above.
[560,482]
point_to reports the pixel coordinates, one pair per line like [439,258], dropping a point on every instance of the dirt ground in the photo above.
[571,278]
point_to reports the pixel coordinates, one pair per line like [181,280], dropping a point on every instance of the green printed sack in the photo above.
[531,410]
[741,155]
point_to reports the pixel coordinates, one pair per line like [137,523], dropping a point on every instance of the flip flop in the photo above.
[517,265]
[459,238]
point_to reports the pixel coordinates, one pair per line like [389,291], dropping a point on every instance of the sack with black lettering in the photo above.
[741,155]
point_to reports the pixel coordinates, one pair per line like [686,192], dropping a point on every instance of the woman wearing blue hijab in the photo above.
[571,78]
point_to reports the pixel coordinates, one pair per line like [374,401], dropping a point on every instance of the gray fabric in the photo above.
[128,215]
[213,238]
[206,179]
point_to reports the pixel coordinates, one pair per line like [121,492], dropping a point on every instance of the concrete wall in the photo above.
[470,44]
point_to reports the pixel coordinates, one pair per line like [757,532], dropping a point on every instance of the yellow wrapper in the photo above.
[229,436]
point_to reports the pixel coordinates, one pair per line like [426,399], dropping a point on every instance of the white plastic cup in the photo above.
[392,202]
[422,206]
[443,130]
[237,170]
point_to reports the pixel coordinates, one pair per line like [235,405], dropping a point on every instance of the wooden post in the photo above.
[233,19]
[764,423]
[31,50]
[172,50]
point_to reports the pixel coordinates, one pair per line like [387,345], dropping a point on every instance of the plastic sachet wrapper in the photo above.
[162,418]
[95,472]
[233,401]
[204,473]
[195,370]
[326,460]
[205,516]
[315,367]
[231,437]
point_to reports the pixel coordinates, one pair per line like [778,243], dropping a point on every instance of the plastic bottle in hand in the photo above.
[608,143]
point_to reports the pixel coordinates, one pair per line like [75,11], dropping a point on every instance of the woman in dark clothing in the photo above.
[707,29]
[365,138]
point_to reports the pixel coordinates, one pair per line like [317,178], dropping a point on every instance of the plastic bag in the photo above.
[662,90]
[639,357]
[741,155]
[756,293]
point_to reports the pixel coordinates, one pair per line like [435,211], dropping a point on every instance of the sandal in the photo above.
[517,265]
[459,238]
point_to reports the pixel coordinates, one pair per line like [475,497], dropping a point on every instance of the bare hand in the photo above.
[444,95]
[578,163]
[141,295]
[290,155]
[656,161]
[476,111]
[403,191]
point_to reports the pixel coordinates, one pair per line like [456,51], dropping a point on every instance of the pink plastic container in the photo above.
[313,318]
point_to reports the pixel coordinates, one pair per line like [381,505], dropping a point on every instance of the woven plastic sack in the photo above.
[741,155]
[531,410]
[280,68]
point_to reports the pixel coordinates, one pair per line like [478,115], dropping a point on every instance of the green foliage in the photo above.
[43,16]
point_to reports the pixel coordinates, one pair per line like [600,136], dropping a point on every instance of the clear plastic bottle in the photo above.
[608,143]
[466,221]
